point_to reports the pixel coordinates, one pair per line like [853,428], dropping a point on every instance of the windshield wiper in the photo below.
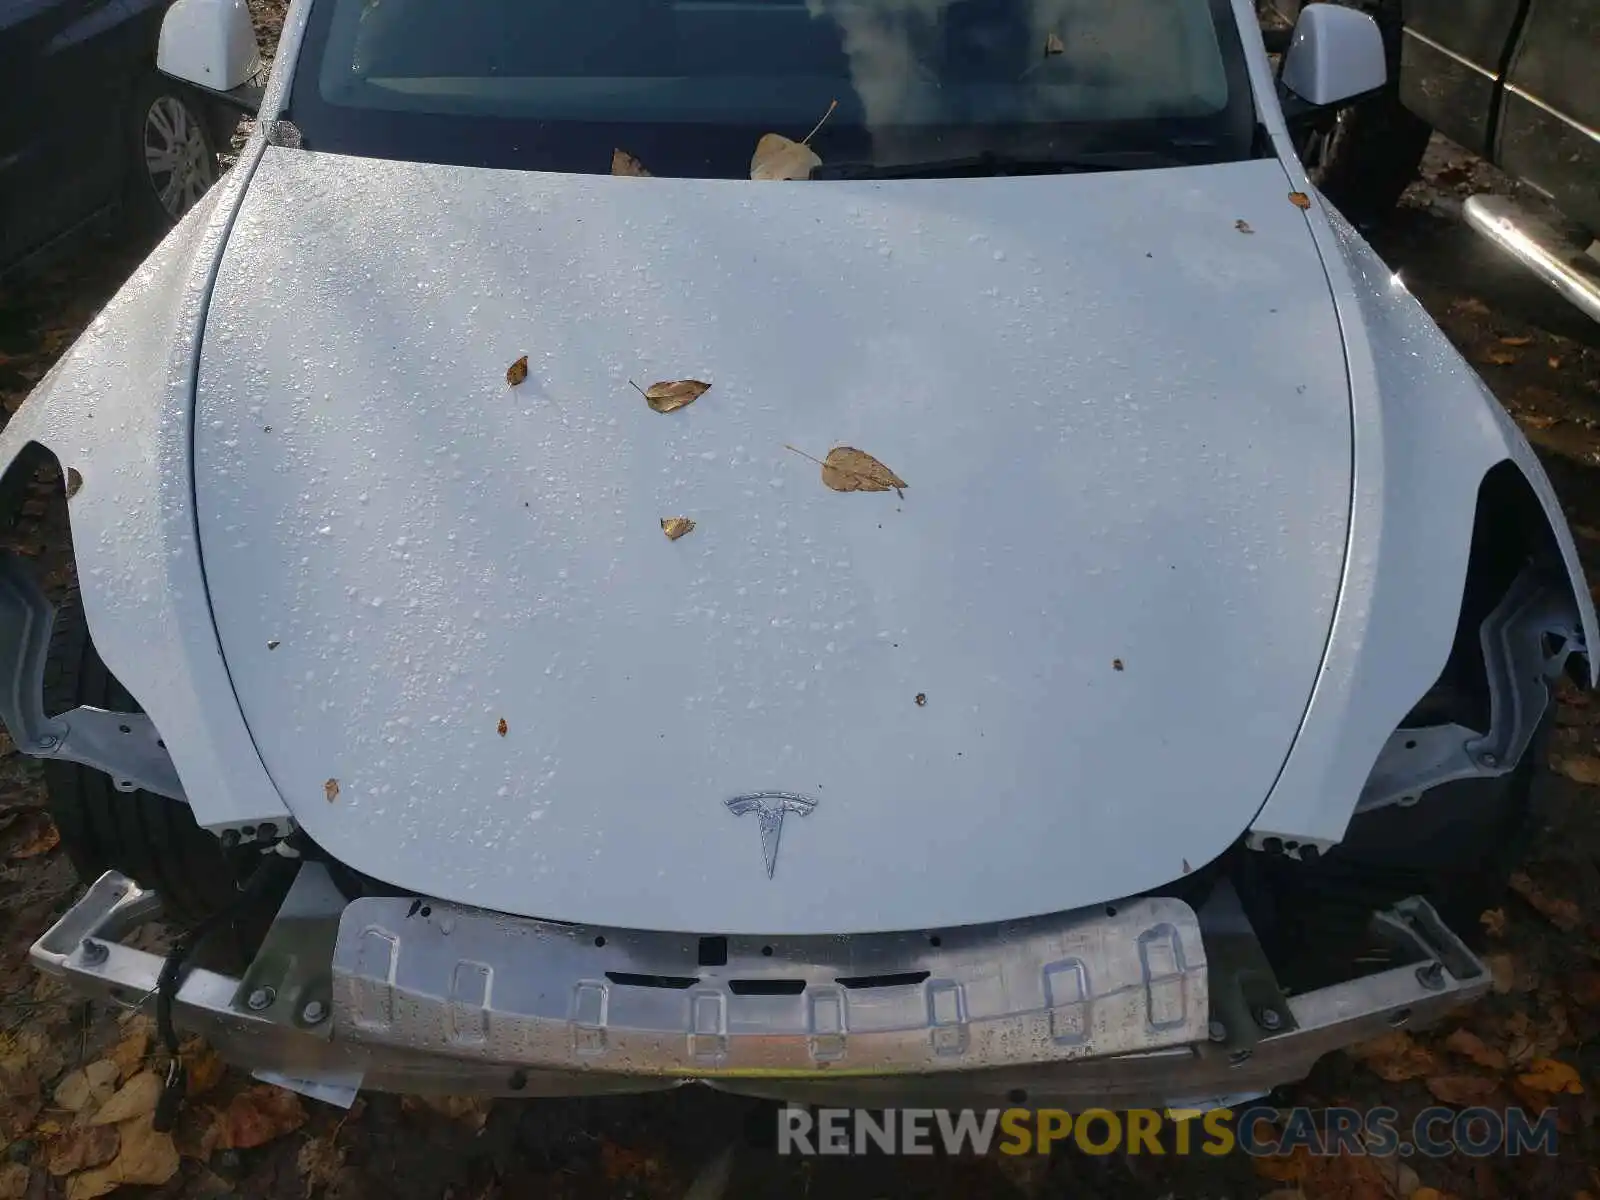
[994,163]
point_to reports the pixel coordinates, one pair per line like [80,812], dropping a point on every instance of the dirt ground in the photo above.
[1532,1042]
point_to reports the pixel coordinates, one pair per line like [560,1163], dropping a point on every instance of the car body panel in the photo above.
[402,551]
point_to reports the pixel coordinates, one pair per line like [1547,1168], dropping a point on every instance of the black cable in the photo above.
[267,872]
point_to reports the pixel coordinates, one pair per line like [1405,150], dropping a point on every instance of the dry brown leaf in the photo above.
[1537,420]
[471,1111]
[74,482]
[1503,973]
[1553,1076]
[13,1181]
[1299,199]
[1053,44]
[670,397]
[777,157]
[135,1044]
[1394,1056]
[1500,358]
[319,1161]
[623,163]
[847,469]
[1580,768]
[619,1163]
[517,372]
[501,727]
[81,1147]
[134,1099]
[331,790]
[1563,914]
[44,839]
[1463,1091]
[85,1090]
[1555,363]
[1584,987]
[259,1115]
[1493,921]
[203,1067]
[676,527]
[146,1158]
[1516,341]
[1243,226]
[1470,1045]
[1471,304]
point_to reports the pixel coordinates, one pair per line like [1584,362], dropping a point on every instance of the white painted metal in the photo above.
[1336,53]
[117,409]
[1426,432]
[208,42]
[1125,426]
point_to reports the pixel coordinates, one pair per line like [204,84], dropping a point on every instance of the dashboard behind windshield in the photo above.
[687,87]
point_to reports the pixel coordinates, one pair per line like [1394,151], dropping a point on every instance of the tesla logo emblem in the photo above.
[769,808]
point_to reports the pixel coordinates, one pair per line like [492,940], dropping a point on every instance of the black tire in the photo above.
[158,108]
[1363,157]
[149,838]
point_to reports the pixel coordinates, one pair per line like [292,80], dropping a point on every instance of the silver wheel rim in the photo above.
[177,161]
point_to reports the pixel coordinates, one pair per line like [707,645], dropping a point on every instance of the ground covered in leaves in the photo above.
[78,1083]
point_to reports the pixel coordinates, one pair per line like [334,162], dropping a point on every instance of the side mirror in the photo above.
[209,43]
[1335,55]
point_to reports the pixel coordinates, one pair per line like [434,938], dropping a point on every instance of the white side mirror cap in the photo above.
[208,42]
[1336,54]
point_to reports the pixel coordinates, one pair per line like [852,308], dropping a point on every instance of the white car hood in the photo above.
[1066,667]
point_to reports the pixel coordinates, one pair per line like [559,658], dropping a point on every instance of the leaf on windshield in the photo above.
[670,397]
[502,728]
[676,527]
[623,163]
[1299,199]
[1054,45]
[331,790]
[1243,226]
[777,157]
[517,371]
[847,469]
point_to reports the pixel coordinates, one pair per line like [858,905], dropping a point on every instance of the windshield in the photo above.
[688,87]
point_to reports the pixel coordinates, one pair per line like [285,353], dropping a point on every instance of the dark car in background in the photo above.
[1515,81]
[89,127]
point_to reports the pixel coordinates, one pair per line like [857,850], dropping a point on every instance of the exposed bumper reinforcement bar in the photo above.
[1103,1006]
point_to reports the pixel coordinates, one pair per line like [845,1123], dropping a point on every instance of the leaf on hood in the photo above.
[1394,1056]
[922,699]
[676,527]
[1053,44]
[1469,1045]
[1299,199]
[1462,1091]
[671,396]
[134,1099]
[501,727]
[82,1147]
[1243,226]
[517,372]
[74,482]
[623,163]
[1553,1076]
[1563,914]
[259,1115]
[331,790]
[847,469]
[135,1044]
[777,157]
[86,1089]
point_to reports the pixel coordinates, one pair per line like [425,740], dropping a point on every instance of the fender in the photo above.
[1426,433]
[116,411]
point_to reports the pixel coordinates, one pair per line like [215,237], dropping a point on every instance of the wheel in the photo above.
[149,838]
[1365,155]
[172,151]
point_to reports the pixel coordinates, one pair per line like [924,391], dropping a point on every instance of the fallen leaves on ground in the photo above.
[258,1115]
[778,157]
[80,1148]
[1493,921]
[620,1163]
[13,1181]
[676,527]
[1395,1056]
[1563,914]
[132,1047]
[41,838]
[1463,1091]
[471,1111]
[145,1157]
[1469,1045]
[1580,768]
[202,1066]
[847,469]
[623,163]
[1499,358]
[86,1089]
[1537,420]
[1502,973]
[1553,1076]
[673,395]
[517,372]
[134,1099]
[1516,341]
[319,1160]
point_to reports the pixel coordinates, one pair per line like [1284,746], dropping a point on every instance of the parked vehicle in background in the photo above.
[90,127]
[1515,81]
